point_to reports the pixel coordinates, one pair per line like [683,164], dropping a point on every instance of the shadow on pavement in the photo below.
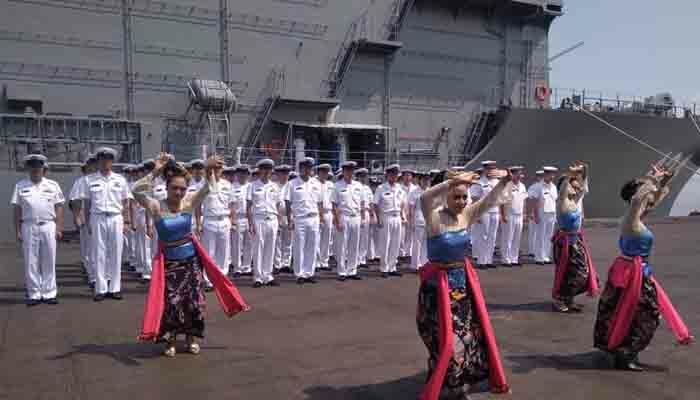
[542,306]
[592,360]
[404,388]
[127,354]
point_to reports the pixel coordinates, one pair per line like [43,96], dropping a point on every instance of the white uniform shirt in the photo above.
[106,193]
[327,189]
[389,199]
[264,197]
[218,204]
[482,188]
[74,193]
[239,197]
[547,192]
[368,196]
[37,200]
[303,196]
[414,203]
[348,197]
[517,205]
[195,186]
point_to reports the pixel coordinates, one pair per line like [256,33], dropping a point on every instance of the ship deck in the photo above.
[350,340]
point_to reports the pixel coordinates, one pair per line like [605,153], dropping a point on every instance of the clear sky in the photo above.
[634,47]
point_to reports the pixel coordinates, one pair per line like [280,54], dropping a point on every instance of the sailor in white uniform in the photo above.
[217,215]
[372,252]
[389,207]
[407,176]
[303,200]
[129,172]
[108,195]
[196,169]
[241,252]
[283,245]
[144,230]
[512,220]
[38,211]
[87,169]
[327,186]
[546,216]
[348,203]
[367,215]
[531,204]
[486,229]
[264,206]
[416,222]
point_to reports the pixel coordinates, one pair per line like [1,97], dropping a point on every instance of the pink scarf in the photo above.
[229,298]
[497,378]
[627,275]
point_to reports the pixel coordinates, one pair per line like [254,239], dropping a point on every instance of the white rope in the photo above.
[643,143]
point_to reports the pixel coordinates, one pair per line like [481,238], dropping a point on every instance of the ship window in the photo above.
[20,105]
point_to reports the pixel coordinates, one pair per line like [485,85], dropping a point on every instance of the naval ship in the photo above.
[428,84]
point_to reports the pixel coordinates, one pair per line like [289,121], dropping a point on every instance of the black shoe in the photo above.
[539,263]
[285,270]
[273,283]
[482,266]
[33,302]
[237,274]
[491,266]
[257,284]
[341,278]
[550,262]
[300,281]
[395,273]
[91,285]
[385,275]
[517,264]
[116,296]
[363,266]
[98,297]
[311,280]
[52,301]
[355,277]
[626,364]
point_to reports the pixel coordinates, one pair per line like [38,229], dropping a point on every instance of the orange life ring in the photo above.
[541,93]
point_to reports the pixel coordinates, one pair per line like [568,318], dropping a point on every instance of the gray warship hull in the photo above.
[373,81]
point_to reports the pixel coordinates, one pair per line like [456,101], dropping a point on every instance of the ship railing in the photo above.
[374,161]
[599,101]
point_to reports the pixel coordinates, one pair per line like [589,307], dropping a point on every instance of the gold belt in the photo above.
[449,265]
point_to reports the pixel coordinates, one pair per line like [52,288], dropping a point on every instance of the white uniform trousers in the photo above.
[107,245]
[544,237]
[406,241]
[372,248]
[241,252]
[264,247]
[485,238]
[85,252]
[216,239]
[39,250]
[510,238]
[130,247]
[307,236]
[364,243]
[283,248]
[144,256]
[532,230]
[419,248]
[347,245]
[389,242]
[324,248]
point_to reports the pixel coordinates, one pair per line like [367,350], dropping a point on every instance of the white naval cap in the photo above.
[550,169]
[198,162]
[539,172]
[283,168]
[36,158]
[103,152]
[229,169]
[348,164]
[327,167]
[307,161]
[434,171]
[362,171]
[243,168]
[408,171]
[392,168]
[265,163]
[458,168]
[488,163]
[516,168]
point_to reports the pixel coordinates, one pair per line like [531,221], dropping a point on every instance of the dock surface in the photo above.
[338,340]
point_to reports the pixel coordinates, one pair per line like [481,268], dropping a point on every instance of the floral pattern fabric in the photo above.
[644,324]
[576,277]
[185,299]
[469,362]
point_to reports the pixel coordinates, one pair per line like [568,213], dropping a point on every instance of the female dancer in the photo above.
[452,318]
[574,272]
[628,311]
[176,300]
